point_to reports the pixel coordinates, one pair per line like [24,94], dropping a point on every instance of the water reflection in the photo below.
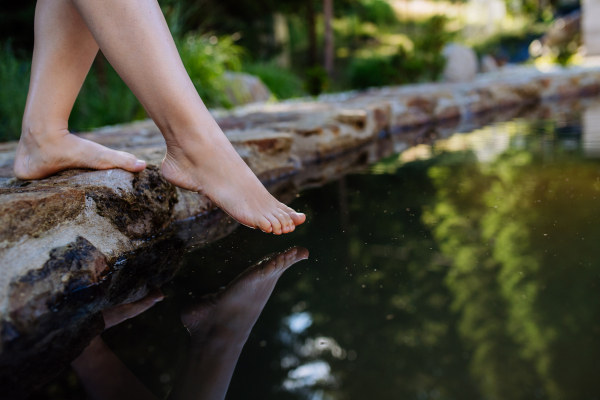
[218,324]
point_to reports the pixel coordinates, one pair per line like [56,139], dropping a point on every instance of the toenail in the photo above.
[140,163]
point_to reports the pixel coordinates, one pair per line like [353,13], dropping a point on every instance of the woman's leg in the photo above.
[63,53]
[134,37]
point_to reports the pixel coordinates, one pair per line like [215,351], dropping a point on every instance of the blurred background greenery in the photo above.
[376,43]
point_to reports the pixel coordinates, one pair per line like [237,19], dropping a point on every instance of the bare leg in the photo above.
[63,53]
[220,325]
[134,37]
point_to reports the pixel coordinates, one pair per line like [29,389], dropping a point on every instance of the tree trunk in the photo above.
[329,47]
[312,33]
[282,40]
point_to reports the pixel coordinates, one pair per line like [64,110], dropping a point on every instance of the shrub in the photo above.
[104,99]
[317,80]
[283,83]
[424,62]
[14,82]
[379,12]
[371,72]
[206,58]
[97,104]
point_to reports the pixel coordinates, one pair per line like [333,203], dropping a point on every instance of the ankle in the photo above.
[40,132]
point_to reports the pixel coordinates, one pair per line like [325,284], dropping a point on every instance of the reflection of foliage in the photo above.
[517,280]
[459,228]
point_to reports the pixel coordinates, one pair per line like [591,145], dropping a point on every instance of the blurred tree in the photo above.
[329,45]
[16,24]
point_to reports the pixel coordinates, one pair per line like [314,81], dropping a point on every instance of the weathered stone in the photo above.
[488,64]
[242,88]
[69,268]
[461,63]
[267,152]
[590,28]
[191,204]
[146,208]
[31,211]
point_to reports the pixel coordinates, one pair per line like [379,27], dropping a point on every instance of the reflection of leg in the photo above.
[220,325]
[105,377]
[63,53]
[102,374]
[134,37]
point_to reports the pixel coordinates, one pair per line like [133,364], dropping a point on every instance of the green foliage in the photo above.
[371,72]
[563,51]
[103,100]
[206,58]
[14,81]
[283,83]
[317,80]
[424,62]
[564,56]
[377,11]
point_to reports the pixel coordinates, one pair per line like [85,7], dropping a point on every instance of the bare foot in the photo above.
[208,164]
[234,310]
[41,155]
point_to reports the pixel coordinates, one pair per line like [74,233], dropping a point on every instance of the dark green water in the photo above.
[471,274]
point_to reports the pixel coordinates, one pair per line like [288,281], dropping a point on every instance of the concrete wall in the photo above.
[591,26]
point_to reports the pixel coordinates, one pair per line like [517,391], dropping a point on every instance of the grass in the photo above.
[283,83]
[14,81]
[104,98]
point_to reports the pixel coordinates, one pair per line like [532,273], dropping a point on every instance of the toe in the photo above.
[286,222]
[264,224]
[270,267]
[290,255]
[296,217]
[301,254]
[281,261]
[126,161]
[275,224]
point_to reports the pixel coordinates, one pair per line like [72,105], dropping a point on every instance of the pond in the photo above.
[469,269]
